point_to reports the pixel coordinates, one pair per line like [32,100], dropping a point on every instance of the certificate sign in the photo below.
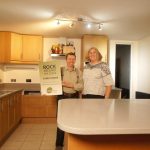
[50,77]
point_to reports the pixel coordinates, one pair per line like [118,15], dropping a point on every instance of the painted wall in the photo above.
[32,72]
[23,72]
[48,42]
[140,59]
[143,84]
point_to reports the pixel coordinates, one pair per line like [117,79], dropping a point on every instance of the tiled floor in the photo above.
[32,137]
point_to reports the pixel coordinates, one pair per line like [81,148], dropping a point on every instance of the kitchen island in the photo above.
[105,124]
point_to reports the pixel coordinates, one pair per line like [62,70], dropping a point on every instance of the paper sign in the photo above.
[50,78]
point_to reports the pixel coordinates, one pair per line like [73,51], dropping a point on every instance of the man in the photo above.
[72,83]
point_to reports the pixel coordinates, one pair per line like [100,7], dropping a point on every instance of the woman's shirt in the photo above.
[96,78]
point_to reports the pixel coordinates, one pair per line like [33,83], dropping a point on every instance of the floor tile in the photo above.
[32,137]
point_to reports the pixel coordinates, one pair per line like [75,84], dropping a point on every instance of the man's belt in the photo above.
[70,94]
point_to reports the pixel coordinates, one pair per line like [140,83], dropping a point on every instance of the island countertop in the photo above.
[104,117]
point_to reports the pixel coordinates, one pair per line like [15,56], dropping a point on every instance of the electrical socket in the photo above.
[28,80]
[13,80]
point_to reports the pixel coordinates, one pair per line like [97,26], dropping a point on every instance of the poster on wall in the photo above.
[50,78]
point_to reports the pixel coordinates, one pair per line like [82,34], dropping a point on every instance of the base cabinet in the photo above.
[39,107]
[4,117]
[107,142]
[10,114]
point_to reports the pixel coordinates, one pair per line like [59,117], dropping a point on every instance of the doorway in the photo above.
[122,72]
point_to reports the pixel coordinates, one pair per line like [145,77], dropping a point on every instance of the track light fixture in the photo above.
[58,22]
[72,22]
[100,26]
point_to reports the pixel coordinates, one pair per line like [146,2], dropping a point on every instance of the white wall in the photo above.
[143,84]
[140,60]
[21,73]
[48,42]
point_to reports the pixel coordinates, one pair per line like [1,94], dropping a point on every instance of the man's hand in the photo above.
[67,84]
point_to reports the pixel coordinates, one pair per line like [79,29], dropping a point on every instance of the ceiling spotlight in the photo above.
[89,25]
[71,24]
[58,22]
[100,26]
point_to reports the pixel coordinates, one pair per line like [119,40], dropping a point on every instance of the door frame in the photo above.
[133,65]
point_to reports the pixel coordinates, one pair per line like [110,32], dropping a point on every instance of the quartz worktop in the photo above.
[104,117]
[9,88]
[5,92]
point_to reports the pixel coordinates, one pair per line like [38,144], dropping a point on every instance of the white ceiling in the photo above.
[122,19]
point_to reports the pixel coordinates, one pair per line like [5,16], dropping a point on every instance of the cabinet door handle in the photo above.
[21,55]
[39,56]
[10,102]
[1,107]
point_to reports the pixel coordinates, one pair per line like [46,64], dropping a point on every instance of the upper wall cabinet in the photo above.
[13,51]
[10,47]
[32,48]
[2,47]
[23,49]
[98,41]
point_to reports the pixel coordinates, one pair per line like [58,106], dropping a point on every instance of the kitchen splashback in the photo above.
[21,74]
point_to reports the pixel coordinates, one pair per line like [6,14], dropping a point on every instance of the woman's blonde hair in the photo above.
[98,54]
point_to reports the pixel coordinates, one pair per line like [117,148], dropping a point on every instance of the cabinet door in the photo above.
[10,47]
[11,111]
[39,106]
[0,120]
[98,41]
[4,117]
[17,97]
[32,48]
[16,47]
[4,44]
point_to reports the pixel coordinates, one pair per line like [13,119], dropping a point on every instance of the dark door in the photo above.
[122,72]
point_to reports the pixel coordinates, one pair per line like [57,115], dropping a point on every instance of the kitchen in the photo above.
[12,74]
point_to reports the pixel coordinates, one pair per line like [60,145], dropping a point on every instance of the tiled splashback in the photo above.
[24,86]
[21,74]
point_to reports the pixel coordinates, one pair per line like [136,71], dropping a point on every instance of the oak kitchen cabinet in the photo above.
[10,113]
[4,113]
[98,41]
[32,48]
[11,46]
[38,107]
[18,48]
[2,46]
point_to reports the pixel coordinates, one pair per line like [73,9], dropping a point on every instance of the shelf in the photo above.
[58,55]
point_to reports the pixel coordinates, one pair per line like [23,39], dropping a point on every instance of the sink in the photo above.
[32,93]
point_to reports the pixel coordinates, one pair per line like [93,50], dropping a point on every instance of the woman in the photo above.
[97,76]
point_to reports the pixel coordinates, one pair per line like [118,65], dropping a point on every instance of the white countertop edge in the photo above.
[133,125]
[104,131]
